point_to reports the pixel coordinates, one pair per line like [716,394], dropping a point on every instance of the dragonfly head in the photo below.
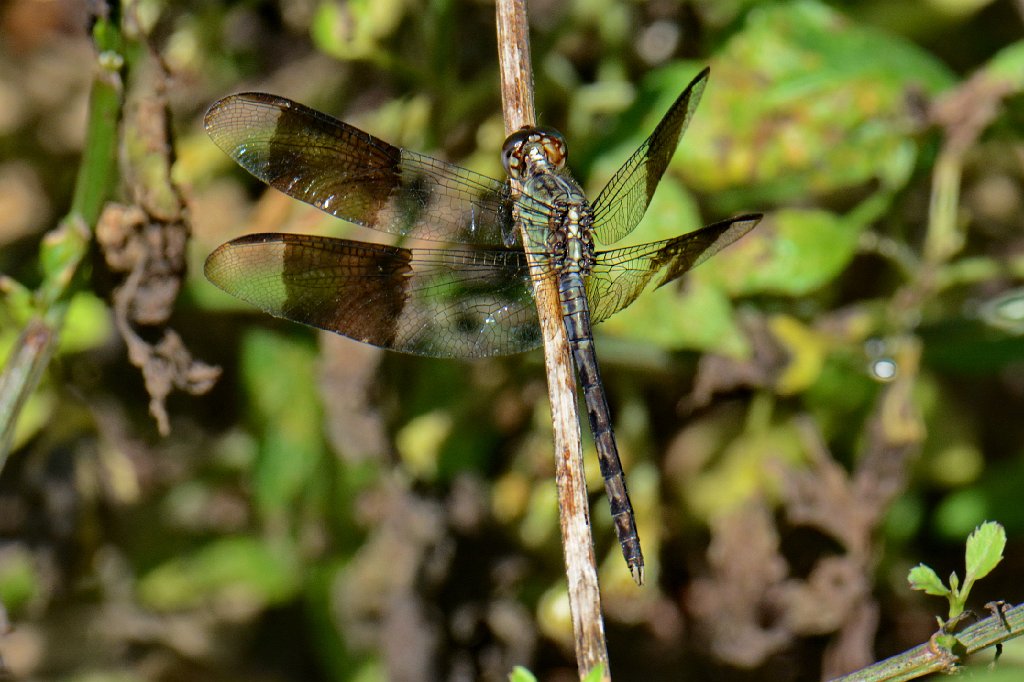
[529,145]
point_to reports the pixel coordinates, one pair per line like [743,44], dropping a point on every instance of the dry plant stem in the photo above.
[574,516]
[24,368]
[930,658]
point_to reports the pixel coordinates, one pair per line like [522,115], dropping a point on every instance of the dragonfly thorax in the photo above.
[570,242]
[554,207]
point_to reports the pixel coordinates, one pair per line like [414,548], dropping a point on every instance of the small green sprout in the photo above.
[984,551]
[521,674]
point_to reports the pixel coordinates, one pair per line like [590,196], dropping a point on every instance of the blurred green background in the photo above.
[832,400]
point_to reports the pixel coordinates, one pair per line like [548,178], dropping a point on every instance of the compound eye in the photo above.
[512,151]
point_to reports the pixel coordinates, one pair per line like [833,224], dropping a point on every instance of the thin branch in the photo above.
[574,515]
[932,658]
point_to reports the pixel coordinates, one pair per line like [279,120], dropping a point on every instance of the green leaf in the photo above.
[595,675]
[18,301]
[701,317]
[923,578]
[984,550]
[793,252]
[1005,311]
[805,100]
[521,674]
[356,30]
[281,384]
[19,579]
[691,315]
[419,442]
[742,471]
[37,413]
[243,569]
[1008,65]
[806,350]
[87,324]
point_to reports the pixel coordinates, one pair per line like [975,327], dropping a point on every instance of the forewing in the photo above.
[619,276]
[440,303]
[624,200]
[354,176]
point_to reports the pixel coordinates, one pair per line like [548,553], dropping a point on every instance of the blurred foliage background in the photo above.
[827,403]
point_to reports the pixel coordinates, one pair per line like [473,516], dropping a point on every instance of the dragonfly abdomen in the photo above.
[576,314]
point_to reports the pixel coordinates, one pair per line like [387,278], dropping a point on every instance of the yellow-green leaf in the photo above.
[984,550]
[925,579]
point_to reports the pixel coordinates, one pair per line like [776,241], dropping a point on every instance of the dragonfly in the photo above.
[468,292]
